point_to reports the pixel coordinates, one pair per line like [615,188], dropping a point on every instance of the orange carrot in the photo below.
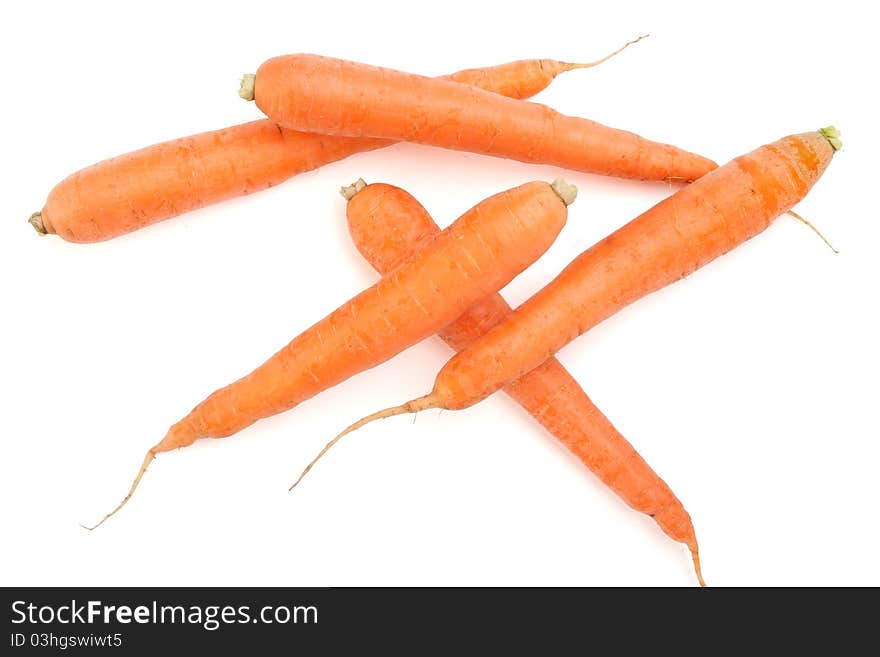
[140,188]
[477,255]
[388,225]
[527,77]
[337,97]
[678,235]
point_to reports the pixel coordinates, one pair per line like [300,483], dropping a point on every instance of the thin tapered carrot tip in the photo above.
[246,88]
[814,229]
[137,480]
[570,66]
[412,406]
[348,192]
[695,555]
[36,220]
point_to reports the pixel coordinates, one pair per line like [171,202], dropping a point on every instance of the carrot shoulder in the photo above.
[388,225]
[475,256]
[131,191]
[338,97]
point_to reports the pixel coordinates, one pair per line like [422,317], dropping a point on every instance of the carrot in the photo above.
[143,187]
[388,225]
[477,255]
[337,97]
[527,77]
[675,237]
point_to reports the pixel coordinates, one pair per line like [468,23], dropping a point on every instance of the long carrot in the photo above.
[140,188]
[338,97]
[388,225]
[475,256]
[678,235]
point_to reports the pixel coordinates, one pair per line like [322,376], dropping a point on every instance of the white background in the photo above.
[751,386]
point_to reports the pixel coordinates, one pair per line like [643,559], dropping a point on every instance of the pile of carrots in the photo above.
[320,110]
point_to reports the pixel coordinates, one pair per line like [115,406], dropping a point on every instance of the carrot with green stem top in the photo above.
[477,255]
[338,97]
[140,188]
[677,236]
[388,225]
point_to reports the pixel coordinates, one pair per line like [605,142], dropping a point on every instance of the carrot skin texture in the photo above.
[387,226]
[338,97]
[109,199]
[521,79]
[476,256]
[143,187]
[678,235]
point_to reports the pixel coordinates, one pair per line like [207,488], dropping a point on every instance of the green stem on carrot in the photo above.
[832,134]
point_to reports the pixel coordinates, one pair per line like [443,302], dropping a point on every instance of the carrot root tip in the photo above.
[246,89]
[695,555]
[832,134]
[565,191]
[148,459]
[814,229]
[351,190]
[412,406]
[36,221]
[571,66]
